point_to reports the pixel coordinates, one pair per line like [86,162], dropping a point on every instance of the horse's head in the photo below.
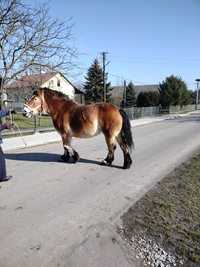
[35,104]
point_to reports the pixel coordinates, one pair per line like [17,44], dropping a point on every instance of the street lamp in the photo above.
[197,94]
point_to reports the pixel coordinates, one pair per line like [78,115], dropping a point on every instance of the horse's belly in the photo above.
[88,130]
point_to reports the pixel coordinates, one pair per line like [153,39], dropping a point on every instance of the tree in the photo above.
[173,91]
[129,98]
[148,99]
[94,86]
[193,95]
[30,38]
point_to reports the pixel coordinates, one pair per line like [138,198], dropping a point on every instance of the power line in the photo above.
[146,59]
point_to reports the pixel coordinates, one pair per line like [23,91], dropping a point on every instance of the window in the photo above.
[58,83]
[51,84]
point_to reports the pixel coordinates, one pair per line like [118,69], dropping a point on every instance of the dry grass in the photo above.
[170,214]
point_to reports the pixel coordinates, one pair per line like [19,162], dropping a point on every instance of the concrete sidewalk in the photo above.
[51,137]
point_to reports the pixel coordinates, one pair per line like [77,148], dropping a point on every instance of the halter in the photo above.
[29,111]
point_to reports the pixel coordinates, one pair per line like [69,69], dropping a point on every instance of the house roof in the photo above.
[27,81]
[31,80]
[117,91]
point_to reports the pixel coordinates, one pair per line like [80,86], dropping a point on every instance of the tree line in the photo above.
[171,92]
[32,41]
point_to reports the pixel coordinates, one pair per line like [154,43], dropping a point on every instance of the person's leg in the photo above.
[3,176]
[2,165]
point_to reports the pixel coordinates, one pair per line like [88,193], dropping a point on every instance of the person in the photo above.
[7,125]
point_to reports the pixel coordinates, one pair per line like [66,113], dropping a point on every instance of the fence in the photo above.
[136,113]
[183,109]
[29,125]
[44,123]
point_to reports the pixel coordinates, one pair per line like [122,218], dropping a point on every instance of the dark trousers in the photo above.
[2,165]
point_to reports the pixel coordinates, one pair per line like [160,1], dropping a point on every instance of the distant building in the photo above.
[118,91]
[21,89]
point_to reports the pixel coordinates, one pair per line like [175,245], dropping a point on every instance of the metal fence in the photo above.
[44,123]
[182,109]
[136,113]
[29,125]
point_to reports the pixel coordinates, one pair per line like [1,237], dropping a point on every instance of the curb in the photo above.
[38,139]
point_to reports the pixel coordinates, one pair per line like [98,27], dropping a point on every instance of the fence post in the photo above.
[35,124]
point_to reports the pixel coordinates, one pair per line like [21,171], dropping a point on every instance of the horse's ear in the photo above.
[35,93]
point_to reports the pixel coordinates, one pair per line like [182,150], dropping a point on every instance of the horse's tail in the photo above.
[126,134]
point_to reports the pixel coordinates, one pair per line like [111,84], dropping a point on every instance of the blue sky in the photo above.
[146,40]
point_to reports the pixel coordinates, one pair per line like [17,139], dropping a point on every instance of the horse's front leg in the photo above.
[66,139]
[68,150]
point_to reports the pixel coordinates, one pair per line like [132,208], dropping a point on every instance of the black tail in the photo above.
[126,133]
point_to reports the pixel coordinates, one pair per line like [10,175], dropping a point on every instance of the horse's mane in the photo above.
[54,93]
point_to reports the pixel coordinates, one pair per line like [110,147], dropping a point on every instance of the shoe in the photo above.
[5,179]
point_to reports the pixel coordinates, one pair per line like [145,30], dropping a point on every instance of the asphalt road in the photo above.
[59,214]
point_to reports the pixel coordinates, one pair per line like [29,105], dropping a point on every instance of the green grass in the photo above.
[28,123]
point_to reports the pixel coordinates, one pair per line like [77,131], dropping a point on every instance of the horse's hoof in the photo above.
[105,163]
[64,158]
[127,163]
[75,157]
[127,166]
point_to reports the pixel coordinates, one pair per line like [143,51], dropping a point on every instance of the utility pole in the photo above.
[124,93]
[197,95]
[104,75]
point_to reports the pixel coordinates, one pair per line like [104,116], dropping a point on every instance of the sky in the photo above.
[146,40]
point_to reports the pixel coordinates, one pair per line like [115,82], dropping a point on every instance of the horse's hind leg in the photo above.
[127,157]
[111,144]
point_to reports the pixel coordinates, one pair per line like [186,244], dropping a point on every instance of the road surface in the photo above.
[59,214]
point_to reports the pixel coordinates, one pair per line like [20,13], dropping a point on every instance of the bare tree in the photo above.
[30,38]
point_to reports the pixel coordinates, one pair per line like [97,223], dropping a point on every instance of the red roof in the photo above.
[31,80]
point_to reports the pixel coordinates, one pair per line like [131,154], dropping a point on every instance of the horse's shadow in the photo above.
[49,157]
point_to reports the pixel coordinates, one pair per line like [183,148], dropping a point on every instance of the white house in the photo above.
[22,88]
[59,83]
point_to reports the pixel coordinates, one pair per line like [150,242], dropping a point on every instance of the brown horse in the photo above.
[74,120]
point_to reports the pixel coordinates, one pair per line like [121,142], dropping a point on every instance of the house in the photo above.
[21,89]
[118,91]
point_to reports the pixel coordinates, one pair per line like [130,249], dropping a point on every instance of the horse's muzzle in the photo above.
[27,112]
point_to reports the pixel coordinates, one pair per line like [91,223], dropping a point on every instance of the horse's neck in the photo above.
[58,106]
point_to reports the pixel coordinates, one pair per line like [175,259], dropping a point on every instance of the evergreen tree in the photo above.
[173,91]
[129,98]
[94,86]
[148,99]
[108,91]
[193,95]
[143,100]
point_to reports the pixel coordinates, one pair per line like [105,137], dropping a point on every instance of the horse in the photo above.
[71,119]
